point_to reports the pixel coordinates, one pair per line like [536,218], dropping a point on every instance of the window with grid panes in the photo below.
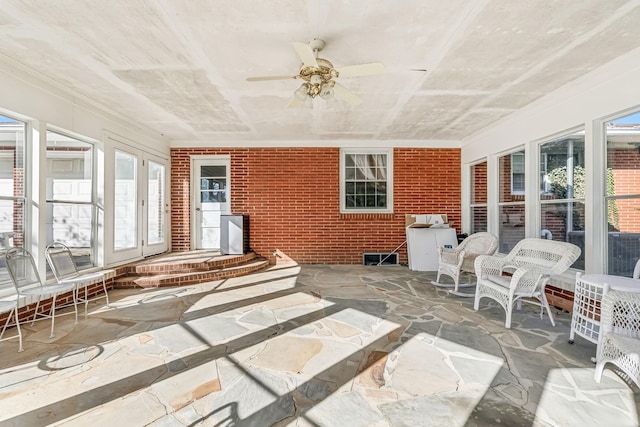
[366,181]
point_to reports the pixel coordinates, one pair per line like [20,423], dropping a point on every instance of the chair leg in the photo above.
[597,375]
[572,335]
[507,322]
[53,314]
[476,301]
[545,304]
[75,304]
[456,281]
[6,323]
[104,287]
[15,313]
[35,313]
[86,300]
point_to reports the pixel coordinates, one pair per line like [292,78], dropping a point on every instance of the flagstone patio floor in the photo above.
[310,345]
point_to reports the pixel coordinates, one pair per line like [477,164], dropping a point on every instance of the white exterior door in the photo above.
[210,199]
[139,226]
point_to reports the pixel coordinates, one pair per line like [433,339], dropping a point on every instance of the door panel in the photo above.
[156,207]
[125,227]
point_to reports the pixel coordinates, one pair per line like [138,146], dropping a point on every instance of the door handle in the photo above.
[198,209]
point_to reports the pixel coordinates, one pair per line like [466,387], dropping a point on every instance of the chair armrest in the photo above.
[526,280]
[488,265]
[451,256]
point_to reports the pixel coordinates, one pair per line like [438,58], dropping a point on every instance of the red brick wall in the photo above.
[505,182]
[558,297]
[292,196]
[479,183]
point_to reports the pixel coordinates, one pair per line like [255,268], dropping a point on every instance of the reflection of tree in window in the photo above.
[562,191]
[623,193]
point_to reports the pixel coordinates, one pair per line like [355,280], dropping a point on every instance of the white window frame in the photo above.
[386,151]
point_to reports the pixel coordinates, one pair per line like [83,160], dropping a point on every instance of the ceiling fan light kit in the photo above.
[319,74]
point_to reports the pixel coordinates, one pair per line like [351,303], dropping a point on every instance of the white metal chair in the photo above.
[636,270]
[532,262]
[66,272]
[24,274]
[619,342]
[11,307]
[455,261]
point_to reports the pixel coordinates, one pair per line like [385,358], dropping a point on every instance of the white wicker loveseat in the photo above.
[455,261]
[619,339]
[531,263]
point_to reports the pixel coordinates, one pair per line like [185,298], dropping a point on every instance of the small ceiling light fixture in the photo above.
[318,77]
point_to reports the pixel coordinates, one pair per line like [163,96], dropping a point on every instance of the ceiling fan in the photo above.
[319,76]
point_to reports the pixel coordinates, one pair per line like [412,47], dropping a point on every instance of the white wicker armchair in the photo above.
[619,340]
[532,262]
[455,261]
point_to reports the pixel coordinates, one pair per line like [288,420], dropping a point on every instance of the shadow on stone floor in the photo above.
[146,378]
[416,314]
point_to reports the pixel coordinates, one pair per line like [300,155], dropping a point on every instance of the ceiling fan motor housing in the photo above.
[324,70]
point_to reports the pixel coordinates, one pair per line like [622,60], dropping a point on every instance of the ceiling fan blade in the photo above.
[264,78]
[306,54]
[361,70]
[345,94]
[295,103]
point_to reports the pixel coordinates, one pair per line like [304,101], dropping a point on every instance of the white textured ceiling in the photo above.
[179,66]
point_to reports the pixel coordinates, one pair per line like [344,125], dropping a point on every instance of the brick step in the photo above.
[191,264]
[190,278]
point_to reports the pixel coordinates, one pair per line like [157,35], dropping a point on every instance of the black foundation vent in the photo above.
[379,258]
